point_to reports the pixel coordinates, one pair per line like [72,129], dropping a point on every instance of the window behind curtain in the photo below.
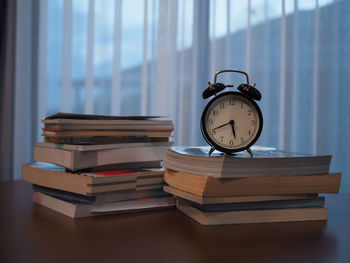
[155,57]
[103,48]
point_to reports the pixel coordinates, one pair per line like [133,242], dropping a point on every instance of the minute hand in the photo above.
[221,126]
[232,123]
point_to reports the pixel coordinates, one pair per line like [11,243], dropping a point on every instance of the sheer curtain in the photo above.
[156,56]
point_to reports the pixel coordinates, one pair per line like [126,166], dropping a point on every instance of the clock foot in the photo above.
[229,154]
[250,152]
[211,150]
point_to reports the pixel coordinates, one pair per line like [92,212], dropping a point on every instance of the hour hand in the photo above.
[221,126]
[232,123]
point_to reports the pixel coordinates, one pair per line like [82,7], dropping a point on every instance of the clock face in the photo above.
[231,122]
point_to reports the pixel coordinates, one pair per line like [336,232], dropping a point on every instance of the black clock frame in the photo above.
[206,135]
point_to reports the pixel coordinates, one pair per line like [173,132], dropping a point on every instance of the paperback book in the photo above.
[89,183]
[75,209]
[266,161]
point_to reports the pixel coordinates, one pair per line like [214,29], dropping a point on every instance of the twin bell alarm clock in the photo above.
[232,121]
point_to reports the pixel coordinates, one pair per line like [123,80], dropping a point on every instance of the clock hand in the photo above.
[232,123]
[221,126]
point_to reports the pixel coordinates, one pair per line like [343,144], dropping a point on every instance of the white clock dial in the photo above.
[232,121]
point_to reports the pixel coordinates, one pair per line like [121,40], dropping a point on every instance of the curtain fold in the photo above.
[7,82]
[116,81]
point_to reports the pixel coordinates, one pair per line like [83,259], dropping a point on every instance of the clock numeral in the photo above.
[221,138]
[215,112]
[231,142]
[213,132]
[253,122]
[250,112]
[232,102]
[210,121]
[249,132]
[222,104]
[242,140]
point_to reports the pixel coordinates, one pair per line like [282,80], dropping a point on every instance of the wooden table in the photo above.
[32,233]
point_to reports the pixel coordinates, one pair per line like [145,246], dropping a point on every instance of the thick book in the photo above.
[100,198]
[266,161]
[77,160]
[78,210]
[89,183]
[97,147]
[251,216]
[204,185]
[204,200]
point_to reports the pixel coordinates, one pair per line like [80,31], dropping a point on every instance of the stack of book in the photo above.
[272,186]
[94,165]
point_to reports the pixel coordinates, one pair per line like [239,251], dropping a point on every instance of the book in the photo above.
[97,147]
[105,133]
[80,122]
[137,166]
[126,125]
[205,185]
[69,118]
[77,160]
[89,183]
[266,161]
[104,140]
[260,205]
[78,210]
[100,198]
[251,216]
[203,200]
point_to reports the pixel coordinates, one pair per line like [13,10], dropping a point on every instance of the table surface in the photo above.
[33,233]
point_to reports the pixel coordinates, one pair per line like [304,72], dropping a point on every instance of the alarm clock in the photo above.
[232,121]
